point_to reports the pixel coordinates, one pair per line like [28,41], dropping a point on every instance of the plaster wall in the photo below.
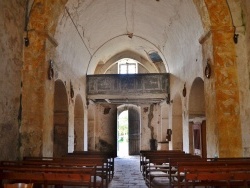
[70,63]
[11,49]
[186,53]
[211,128]
[106,127]
[150,123]
[241,10]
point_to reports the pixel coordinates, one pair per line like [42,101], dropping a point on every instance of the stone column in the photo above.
[224,70]
[37,89]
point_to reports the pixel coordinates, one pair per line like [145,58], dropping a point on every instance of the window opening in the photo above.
[127,66]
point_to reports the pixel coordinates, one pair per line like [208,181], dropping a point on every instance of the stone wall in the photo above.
[243,61]
[12,14]
[106,127]
[150,123]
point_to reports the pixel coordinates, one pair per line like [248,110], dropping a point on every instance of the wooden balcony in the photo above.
[128,88]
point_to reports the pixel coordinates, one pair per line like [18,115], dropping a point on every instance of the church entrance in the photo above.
[128,130]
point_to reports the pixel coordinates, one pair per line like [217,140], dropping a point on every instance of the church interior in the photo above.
[69,68]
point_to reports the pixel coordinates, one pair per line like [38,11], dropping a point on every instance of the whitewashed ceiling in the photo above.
[104,28]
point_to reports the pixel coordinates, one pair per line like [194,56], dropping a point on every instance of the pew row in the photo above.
[162,170]
[109,155]
[167,169]
[101,171]
[227,173]
[16,172]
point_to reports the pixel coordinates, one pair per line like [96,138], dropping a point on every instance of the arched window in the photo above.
[127,66]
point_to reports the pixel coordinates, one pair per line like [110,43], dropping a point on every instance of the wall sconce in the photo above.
[169,133]
[236,38]
[208,69]
[184,91]
[71,90]
[51,70]
[26,41]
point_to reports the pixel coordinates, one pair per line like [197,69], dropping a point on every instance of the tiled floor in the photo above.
[127,173]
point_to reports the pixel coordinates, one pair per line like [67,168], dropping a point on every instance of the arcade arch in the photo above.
[60,134]
[197,118]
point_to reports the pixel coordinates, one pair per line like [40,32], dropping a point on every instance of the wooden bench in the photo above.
[109,155]
[176,177]
[102,170]
[162,170]
[144,153]
[16,172]
[106,158]
[214,173]
[151,156]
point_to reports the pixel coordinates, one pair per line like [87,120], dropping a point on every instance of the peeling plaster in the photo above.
[150,117]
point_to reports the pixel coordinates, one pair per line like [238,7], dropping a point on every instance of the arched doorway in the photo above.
[197,119]
[134,127]
[78,124]
[60,120]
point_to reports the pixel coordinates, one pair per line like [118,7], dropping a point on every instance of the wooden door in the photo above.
[133,132]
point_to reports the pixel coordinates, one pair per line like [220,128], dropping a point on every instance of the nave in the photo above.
[127,173]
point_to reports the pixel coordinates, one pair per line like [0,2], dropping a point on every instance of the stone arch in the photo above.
[218,20]
[197,120]
[123,39]
[78,124]
[103,67]
[197,99]
[177,124]
[60,120]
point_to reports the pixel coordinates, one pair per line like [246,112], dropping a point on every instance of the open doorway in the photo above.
[122,134]
[128,130]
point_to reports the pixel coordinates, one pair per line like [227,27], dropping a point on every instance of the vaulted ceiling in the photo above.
[101,29]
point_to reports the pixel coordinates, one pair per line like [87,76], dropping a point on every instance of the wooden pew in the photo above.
[152,156]
[16,172]
[101,168]
[145,153]
[162,169]
[110,156]
[174,176]
[108,164]
[228,173]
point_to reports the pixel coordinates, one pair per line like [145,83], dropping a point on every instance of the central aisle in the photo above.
[127,173]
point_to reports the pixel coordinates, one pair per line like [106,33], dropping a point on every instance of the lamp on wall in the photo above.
[26,40]
[208,69]
[236,38]
[184,91]
[51,70]
[169,133]
[71,90]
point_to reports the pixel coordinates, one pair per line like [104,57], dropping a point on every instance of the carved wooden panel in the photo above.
[127,84]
